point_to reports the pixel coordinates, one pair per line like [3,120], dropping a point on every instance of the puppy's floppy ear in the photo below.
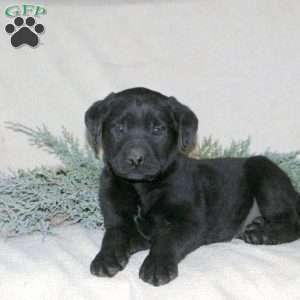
[94,118]
[187,124]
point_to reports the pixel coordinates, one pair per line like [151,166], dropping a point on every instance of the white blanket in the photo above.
[58,268]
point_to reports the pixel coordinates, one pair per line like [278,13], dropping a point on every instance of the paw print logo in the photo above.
[24,32]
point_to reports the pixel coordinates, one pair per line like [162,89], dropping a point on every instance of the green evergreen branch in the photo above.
[41,198]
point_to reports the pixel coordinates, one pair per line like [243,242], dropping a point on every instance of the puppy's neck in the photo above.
[150,192]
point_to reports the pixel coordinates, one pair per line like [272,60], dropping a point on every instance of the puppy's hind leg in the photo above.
[277,201]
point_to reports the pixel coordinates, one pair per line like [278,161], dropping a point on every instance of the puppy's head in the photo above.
[140,131]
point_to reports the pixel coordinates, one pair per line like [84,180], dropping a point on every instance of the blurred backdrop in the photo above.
[235,63]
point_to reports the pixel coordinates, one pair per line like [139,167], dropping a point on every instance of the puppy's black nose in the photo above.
[136,157]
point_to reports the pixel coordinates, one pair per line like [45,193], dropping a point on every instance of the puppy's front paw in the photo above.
[158,270]
[109,264]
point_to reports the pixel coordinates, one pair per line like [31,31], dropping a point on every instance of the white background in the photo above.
[235,63]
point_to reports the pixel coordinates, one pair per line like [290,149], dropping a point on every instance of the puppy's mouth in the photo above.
[137,176]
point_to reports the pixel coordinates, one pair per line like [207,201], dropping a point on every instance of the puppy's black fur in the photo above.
[153,196]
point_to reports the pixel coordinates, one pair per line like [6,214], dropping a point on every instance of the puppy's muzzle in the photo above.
[136,161]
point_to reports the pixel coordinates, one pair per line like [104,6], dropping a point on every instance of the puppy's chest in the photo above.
[143,225]
[148,223]
[149,214]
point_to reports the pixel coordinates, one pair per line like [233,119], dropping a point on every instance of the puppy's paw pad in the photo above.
[108,265]
[257,232]
[158,271]
[254,237]
[100,269]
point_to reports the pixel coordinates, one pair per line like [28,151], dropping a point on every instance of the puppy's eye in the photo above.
[158,130]
[119,128]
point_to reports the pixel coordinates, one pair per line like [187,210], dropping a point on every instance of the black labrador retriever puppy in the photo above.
[154,197]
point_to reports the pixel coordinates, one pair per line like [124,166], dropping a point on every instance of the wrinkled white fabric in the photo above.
[58,268]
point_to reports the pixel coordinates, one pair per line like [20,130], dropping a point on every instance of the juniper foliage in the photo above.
[42,198]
